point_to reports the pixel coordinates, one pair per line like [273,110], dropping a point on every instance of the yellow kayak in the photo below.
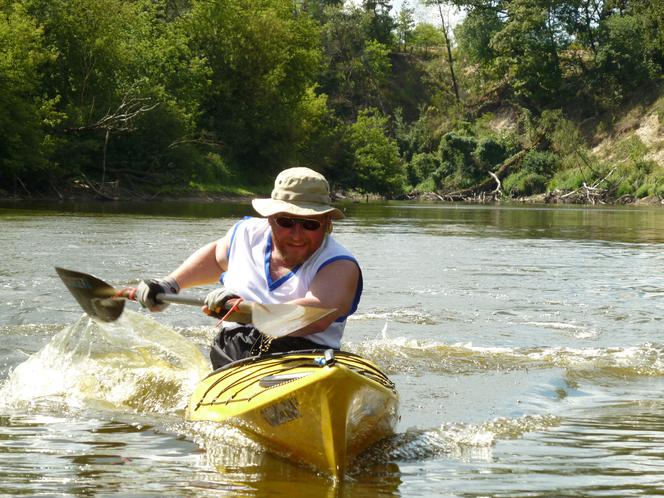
[319,407]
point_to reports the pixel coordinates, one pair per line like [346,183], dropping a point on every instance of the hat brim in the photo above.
[269,207]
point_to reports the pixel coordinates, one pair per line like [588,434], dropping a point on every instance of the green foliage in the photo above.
[488,153]
[630,150]
[569,179]
[358,66]
[262,60]
[527,51]
[544,164]
[381,24]
[635,178]
[564,137]
[194,92]
[652,185]
[466,160]
[421,167]
[475,34]
[524,183]
[377,166]
[630,179]
[124,87]
[320,144]
[427,39]
[421,135]
[213,169]
[24,114]
[621,57]
[405,26]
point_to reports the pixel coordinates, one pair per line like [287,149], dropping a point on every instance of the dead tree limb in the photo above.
[486,185]
[120,120]
[498,188]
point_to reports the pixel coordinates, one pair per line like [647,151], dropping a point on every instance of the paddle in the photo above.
[103,302]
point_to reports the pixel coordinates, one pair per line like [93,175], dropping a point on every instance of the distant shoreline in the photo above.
[83,196]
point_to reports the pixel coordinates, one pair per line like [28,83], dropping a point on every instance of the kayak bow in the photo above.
[320,408]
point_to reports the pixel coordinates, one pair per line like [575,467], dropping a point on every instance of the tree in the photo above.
[262,60]
[381,24]
[377,166]
[116,63]
[427,37]
[405,26]
[448,44]
[622,54]
[474,36]
[358,66]
[25,113]
[527,51]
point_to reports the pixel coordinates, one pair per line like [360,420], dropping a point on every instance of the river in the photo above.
[525,342]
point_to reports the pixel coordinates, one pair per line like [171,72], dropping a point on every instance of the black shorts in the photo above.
[243,342]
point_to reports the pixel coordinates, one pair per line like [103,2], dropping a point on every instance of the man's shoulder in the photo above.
[252,224]
[250,229]
[331,251]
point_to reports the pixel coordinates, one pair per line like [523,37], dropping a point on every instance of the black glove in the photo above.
[148,289]
[216,301]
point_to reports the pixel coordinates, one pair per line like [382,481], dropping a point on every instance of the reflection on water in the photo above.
[525,343]
[612,223]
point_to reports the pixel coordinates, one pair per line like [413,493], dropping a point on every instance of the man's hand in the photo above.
[215,302]
[148,289]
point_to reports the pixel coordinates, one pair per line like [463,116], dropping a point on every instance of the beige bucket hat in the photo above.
[299,192]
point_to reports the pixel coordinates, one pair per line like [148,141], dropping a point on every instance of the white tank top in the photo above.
[248,273]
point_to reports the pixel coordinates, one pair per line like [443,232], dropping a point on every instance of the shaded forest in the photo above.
[158,97]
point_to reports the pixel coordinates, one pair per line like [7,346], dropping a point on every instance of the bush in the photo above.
[458,167]
[634,177]
[421,167]
[540,163]
[653,185]
[569,179]
[489,153]
[524,182]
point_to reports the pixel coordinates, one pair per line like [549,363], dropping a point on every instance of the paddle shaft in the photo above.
[194,301]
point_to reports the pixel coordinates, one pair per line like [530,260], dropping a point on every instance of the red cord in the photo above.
[234,308]
[127,292]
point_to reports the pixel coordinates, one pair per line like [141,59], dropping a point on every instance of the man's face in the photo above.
[297,238]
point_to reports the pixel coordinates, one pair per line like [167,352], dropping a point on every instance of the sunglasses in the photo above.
[307,224]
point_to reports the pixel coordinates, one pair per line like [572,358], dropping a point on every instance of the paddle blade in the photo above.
[95,296]
[278,320]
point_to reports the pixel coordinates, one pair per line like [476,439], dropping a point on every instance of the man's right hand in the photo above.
[215,302]
[147,291]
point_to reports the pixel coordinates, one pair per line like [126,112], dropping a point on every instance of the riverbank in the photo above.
[80,192]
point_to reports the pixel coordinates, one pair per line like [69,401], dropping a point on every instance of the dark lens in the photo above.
[310,225]
[285,222]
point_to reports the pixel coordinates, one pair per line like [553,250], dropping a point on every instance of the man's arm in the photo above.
[204,266]
[333,287]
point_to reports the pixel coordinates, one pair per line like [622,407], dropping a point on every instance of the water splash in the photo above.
[458,440]
[132,363]
[225,446]
[406,355]
[402,315]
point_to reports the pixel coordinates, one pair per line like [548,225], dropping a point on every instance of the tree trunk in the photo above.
[448,46]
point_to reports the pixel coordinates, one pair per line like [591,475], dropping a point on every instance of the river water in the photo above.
[525,342]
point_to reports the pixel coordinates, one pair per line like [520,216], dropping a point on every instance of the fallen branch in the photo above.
[472,193]
[593,193]
[498,188]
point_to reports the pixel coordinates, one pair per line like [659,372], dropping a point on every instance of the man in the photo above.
[288,256]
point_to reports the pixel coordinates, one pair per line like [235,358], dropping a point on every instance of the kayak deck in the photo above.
[318,407]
